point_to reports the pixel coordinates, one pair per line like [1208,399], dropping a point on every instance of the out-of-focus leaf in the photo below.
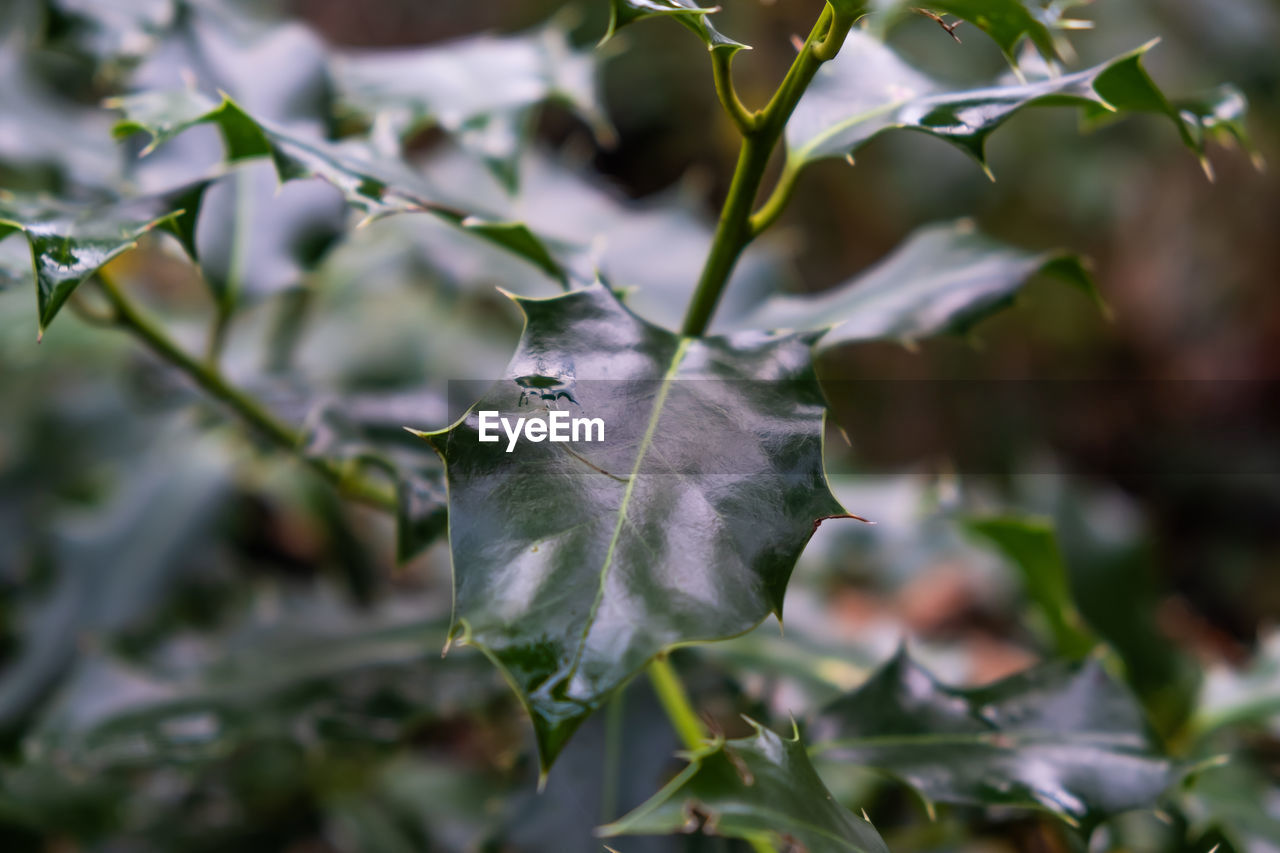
[68,246]
[113,567]
[481,90]
[575,564]
[943,279]
[40,127]
[368,429]
[821,671]
[868,89]
[1238,802]
[1217,112]
[256,237]
[760,788]
[1009,23]
[374,188]
[599,232]
[686,12]
[1066,739]
[1250,695]
[121,29]
[1031,545]
[307,666]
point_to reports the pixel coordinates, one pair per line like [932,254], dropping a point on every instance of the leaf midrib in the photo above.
[645,442]
[998,739]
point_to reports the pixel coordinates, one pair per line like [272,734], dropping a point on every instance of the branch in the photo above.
[208,377]
[666,683]
[734,229]
[748,122]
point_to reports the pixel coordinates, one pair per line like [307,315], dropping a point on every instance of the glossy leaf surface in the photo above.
[480,90]
[943,279]
[375,188]
[868,89]
[760,788]
[575,563]
[1067,739]
[68,246]
[686,12]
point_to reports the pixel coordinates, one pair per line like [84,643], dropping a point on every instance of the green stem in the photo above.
[722,70]
[250,410]
[666,683]
[241,226]
[735,229]
[773,206]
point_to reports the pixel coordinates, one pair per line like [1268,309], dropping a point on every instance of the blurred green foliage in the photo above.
[201,647]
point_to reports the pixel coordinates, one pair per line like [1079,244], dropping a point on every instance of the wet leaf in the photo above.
[760,788]
[574,564]
[481,90]
[686,12]
[1031,545]
[1064,738]
[943,279]
[869,89]
[69,245]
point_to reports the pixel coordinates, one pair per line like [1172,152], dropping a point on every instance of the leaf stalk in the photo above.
[666,683]
[761,131]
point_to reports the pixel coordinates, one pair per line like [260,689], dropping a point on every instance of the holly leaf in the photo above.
[68,245]
[869,89]
[686,12]
[1009,23]
[575,563]
[1063,738]
[943,280]
[762,788]
[1031,545]
[375,188]
[481,90]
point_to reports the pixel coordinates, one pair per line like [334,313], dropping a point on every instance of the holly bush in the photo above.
[277,282]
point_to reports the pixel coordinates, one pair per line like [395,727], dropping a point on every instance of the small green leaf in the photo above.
[574,564]
[1009,23]
[868,89]
[375,188]
[68,245]
[687,12]
[762,788]
[1031,545]
[943,279]
[1064,738]
[480,90]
